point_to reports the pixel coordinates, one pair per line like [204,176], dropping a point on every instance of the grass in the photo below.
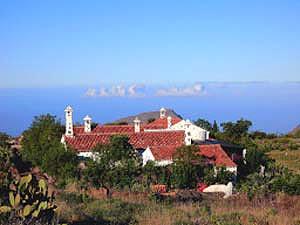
[284,150]
[289,159]
[128,208]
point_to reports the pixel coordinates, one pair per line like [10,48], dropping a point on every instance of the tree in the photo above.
[4,140]
[154,174]
[258,135]
[215,130]
[203,124]
[150,120]
[187,167]
[42,147]
[233,132]
[215,127]
[115,165]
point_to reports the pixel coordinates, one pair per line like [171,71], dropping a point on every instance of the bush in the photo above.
[222,176]
[74,199]
[113,212]
[286,182]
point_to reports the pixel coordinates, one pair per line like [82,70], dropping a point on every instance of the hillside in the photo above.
[289,159]
[145,116]
[296,130]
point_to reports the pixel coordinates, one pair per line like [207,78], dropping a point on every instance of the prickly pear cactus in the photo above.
[29,200]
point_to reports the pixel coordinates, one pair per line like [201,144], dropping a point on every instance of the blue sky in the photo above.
[66,43]
[211,59]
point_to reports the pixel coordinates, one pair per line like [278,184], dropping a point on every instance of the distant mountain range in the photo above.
[295,130]
[146,116]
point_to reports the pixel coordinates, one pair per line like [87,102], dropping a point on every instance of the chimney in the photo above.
[87,124]
[188,138]
[137,125]
[188,135]
[69,121]
[169,119]
[162,113]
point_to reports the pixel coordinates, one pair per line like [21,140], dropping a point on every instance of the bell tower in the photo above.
[69,121]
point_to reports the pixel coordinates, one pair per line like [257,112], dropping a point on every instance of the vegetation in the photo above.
[205,124]
[267,191]
[115,165]
[42,147]
[4,140]
[24,198]
[187,167]
[127,208]
[234,132]
[287,158]
[150,120]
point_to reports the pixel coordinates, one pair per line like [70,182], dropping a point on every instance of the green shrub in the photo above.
[113,212]
[74,199]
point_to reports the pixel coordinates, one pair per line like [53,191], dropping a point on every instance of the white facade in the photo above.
[86,154]
[148,156]
[194,132]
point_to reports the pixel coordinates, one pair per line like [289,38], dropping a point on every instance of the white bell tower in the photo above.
[162,113]
[87,124]
[69,121]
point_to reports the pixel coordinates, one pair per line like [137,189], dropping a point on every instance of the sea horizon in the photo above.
[269,105]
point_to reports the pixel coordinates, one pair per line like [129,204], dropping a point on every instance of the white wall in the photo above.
[197,133]
[226,189]
[147,155]
[232,169]
[163,162]
[86,154]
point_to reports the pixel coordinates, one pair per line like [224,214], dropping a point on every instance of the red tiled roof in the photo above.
[114,129]
[86,142]
[161,138]
[217,154]
[214,153]
[164,152]
[161,123]
[78,129]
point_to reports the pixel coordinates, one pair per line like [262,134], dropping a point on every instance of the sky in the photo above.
[64,43]
[219,60]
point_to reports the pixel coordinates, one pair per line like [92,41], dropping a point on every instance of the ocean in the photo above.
[272,107]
